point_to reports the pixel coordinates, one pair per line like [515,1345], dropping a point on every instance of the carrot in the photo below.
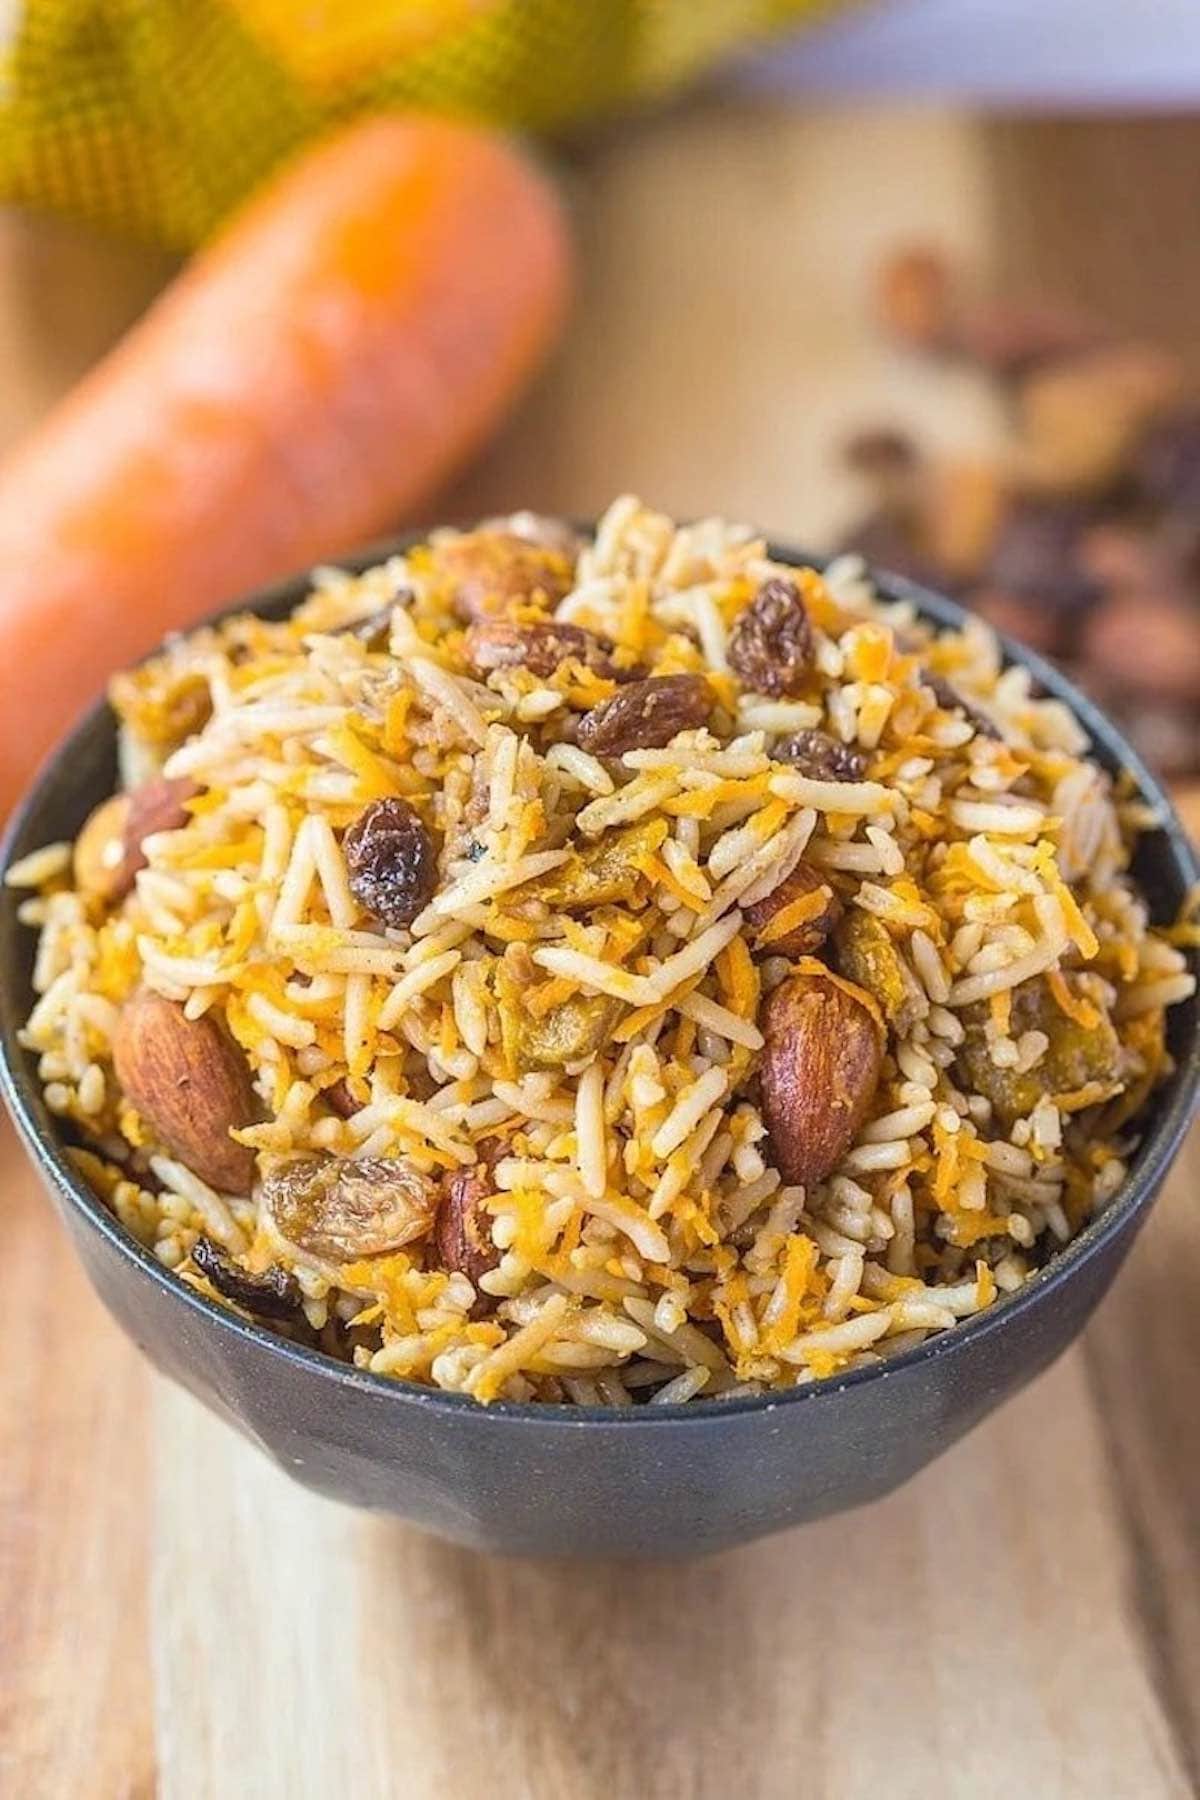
[311,378]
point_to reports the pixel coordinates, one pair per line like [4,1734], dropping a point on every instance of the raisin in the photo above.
[488,573]
[806,937]
[391,861]
[274,1294]
[462,1233]
[341,1100]
[949,698]
[645,715]
[342,1209]
[539,647]
[821,757]
[771,645]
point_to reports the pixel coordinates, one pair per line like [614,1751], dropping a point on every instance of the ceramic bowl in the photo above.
[577,1481]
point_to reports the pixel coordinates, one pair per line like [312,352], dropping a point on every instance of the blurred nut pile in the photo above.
[1083,537]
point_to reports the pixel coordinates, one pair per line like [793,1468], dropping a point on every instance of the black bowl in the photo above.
[583,1481]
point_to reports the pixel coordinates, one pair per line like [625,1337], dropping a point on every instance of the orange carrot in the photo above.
[344,345]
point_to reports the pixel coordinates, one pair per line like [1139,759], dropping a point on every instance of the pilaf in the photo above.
[600,971]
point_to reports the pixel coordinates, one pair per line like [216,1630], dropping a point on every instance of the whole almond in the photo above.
[820,1067]
[191,1084]
[108,851]
[99,857]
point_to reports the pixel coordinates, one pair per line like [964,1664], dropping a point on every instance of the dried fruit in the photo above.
[539,646]
[1078,1053]
[341,1100]
[462,1233]
[1012,338]
[489,573]
[191,1084]
[99,861]
[645,715]
[821,1060]
[340,1209]
[821,757]
[866,954]
[796,917]
[1083,421]
[604,871]
[273,1294]
[567,1034]
[390,861]
[1148,643]
[1025,620]
[966,505]
[771,644]
[1036,554]
[950,700]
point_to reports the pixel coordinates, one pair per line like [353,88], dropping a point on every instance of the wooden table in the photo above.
[176,1618]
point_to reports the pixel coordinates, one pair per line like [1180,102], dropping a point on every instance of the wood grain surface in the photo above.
[178,1619]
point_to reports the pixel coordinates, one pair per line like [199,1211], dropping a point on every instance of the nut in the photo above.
[191,1085]
[768,916]
[108,851]
[463,1232]
[99,859]
[340,1209]
[821,1060]
[1082,421]
[539,646]
[489,573]
[645,715]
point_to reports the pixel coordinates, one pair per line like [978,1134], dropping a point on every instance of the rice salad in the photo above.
[604,971]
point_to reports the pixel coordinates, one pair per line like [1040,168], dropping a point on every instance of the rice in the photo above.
[557,1042]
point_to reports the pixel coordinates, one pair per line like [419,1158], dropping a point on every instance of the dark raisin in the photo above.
[1036,554]
[951,700]
[645,715]
[391,861]
[274,1294]
[539,646]
[821,757]
[339,1097]
[462,1233]
[771,645]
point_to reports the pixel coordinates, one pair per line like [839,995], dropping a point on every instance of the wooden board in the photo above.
[177,1619]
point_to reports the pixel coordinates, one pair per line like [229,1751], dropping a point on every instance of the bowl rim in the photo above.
[22,1091]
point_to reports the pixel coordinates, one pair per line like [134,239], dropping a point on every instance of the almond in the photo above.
[99,859]
[785,926]
[108,851]
[191,1085]
[821,1061]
